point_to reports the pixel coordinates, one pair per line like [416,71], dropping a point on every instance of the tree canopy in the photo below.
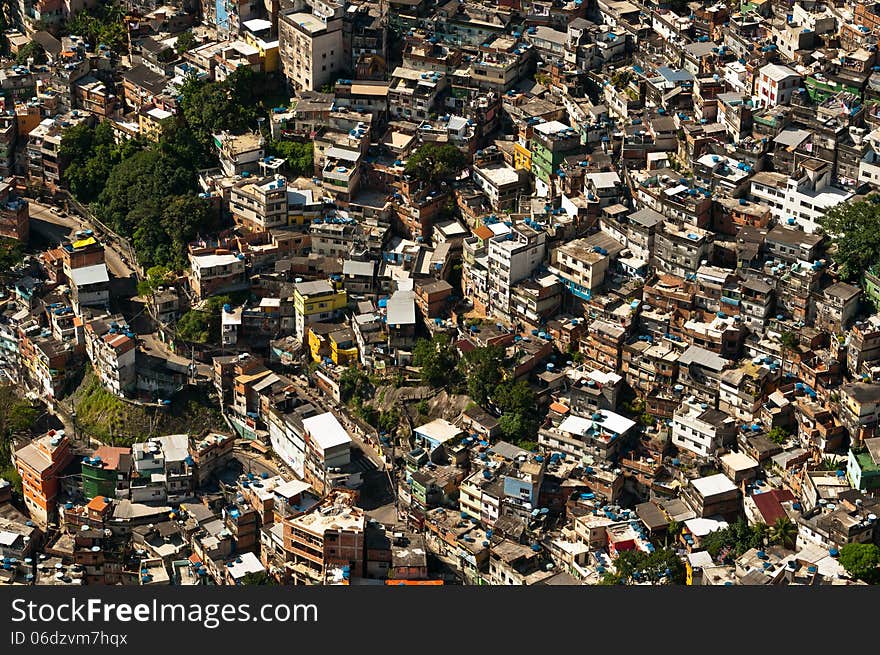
[853,229]
[435,162]
[185,42]
[16,416]
[147,191]
[861,561]
[299,156]
[31,49]
[734,540]
[661,566]
[202,325]
[103,24]
[437,360]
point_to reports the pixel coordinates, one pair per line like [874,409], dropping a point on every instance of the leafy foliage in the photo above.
[260,578]
[778,435]
[862,561]
[104,24]
[92,152]
[202,325]
[661,566]
[784,532]
[437,360]
[31,49]
[435,163]
[736,539]
[299,156]
[11,253]
[157,276]
[482,369]
[853,229]
[354,384]
[16,416]
[184,42]
[146,192]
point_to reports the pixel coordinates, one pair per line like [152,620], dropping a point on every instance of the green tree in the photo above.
[104,24]
[852,227]
[778,435]
[299,157]
[354,383]
[185,42]
[482,370]
[17,416]
[156,277]
[861,561]
[11,254]
[261,578]
[31,49]
[436,359]
[435,163]
[663,566]
[195,326]
[518,405]
[784,532]
[388,421]
[734,540]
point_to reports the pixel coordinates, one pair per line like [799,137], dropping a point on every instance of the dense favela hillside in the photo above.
[439,293]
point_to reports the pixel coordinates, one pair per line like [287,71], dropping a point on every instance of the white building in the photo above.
[328,445]
[701,429]
[775,85]
[799,200]
[163,470]
[500,182]
[311,47]
[511,258]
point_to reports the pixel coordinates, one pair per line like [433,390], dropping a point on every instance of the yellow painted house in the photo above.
[317,301]
[522,157]
[269,53]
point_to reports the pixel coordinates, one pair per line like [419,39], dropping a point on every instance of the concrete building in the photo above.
[39,464]
[775,84]
[700,429]
[316,302]
[311,46]
[330,534]
[218,272]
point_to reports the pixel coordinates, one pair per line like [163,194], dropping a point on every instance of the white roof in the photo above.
[551,127]
[604,180]
[700,558]
[291,488]
[159,114]
[231,318]
[249,563]
[456,123]
[602,377]
[739,461]
[299,196]
[499,228]
[611,422]
[86,275]
[777,73]
[701,527]
[210,261]
[401,308]
[439,430]
[713,484]
[175,447]
[7,538]
[257,24]
[326,430]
